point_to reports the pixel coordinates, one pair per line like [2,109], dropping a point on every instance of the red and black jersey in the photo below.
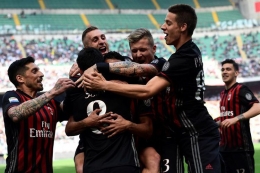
[163,104]
[235,101]
[30,142]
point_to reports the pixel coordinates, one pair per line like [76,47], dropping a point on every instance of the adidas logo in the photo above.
[209,166]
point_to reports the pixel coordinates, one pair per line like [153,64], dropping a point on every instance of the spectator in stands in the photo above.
[30,120]
[237,105]
[196,132]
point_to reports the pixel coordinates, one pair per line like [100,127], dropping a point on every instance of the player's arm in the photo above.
[125,68]
[118,125]
[26,109]
[96,81]
[252,112]
[143,129]
[92,120]
[247,99]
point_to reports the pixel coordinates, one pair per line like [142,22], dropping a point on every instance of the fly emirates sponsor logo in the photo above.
[225,113]
[45,132]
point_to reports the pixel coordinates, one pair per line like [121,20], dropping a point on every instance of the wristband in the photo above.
[102,67]
[241,117]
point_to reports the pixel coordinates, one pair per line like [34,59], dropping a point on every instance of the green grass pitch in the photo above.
[67,166]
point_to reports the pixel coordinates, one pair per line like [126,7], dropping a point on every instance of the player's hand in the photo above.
[94,81]
[229,122]
[93,119]
[74,70]
[61,85]
[116,125]
[90,70]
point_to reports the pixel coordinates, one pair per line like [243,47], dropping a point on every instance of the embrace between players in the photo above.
[124,110]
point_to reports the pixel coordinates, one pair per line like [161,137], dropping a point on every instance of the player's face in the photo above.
[229,73]
[96,39]
[171,29]
[33,77]
[142,52]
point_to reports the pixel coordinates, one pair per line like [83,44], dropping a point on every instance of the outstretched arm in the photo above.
[125,68]
[96,81]
[252,112]
[26,109]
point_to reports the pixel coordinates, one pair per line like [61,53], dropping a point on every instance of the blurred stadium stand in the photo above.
[50,31]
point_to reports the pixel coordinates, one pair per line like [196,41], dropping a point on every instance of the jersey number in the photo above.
[99,104]
[200,86]
[166,165]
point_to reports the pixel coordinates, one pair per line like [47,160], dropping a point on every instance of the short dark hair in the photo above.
[18,67]
[88,57]
[185,14]
[91,28]
[231,61]
[114,55]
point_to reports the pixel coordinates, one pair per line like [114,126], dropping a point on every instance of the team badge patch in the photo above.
[166,66]
[147,102]
[248,96]
[155,61]
[13,100]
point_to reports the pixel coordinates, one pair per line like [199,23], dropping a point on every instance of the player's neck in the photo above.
[28,91]
[229,84]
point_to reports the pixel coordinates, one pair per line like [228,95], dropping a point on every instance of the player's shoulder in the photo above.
[10,93]
[127,58]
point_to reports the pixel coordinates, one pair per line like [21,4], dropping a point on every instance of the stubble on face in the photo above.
[97,40]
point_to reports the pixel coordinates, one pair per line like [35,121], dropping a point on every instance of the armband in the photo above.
[103,67]
[241,117]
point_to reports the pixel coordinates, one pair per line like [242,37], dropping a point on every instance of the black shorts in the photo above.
[79,149]
[171,157]
[120,169]
[239,161]
[204,147]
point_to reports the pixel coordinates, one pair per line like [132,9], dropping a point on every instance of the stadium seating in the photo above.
[231,15]
[133,4]
[76,4]
[52,22]
[218,3]
[19,4]
[166,4]
[122,21]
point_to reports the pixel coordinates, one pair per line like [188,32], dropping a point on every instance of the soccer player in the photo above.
[197,133]
[143,51]
[30,120]
[102,154]
[237,105]
[93,37]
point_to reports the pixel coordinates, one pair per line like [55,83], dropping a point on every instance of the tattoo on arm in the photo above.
[57,86]
[27,108]
[132,69]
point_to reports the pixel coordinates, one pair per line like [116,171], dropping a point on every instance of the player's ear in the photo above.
[236,73]
[154,49]
[19,78]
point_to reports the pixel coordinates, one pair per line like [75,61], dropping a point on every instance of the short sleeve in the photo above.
[158,63]
[246,96]
[10,99]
